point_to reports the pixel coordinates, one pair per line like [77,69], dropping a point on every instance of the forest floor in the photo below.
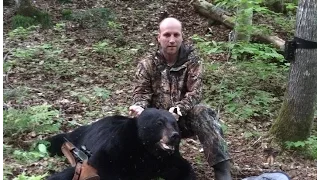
[67,66]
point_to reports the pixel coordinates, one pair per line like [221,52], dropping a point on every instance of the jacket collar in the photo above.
[184,52]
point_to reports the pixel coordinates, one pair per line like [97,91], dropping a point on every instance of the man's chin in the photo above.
[172,52]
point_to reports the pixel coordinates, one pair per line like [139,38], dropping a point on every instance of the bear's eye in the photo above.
[159,123]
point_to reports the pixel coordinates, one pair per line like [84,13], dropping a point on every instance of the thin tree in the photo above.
[296,115]
[243,21]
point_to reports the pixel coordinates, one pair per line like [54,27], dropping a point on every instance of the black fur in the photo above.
[128,148]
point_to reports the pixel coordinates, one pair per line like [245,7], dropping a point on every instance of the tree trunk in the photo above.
[212,12]
[294,122]
[243,21]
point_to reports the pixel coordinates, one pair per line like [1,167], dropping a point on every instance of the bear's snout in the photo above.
[174,138]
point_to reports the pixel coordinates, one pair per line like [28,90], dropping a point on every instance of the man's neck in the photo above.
[170,59]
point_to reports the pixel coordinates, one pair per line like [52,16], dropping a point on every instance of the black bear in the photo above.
[126,148]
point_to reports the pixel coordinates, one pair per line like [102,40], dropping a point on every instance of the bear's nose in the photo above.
[174,136]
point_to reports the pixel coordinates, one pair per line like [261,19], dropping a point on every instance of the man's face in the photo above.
[170,38]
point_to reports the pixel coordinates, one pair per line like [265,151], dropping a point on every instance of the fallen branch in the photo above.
[215,13]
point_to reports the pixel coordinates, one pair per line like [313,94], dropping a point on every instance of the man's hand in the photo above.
[135,111]
[175,111]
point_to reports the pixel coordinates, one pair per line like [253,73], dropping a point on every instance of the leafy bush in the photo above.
[37,17]
[66,13]
[239,50]
[307,147]
[22,21]
[248,85]
[37,119]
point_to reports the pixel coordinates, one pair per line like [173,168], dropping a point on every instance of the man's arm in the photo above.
[194,88]
[143,91]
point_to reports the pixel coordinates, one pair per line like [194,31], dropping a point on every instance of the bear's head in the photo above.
[158,130]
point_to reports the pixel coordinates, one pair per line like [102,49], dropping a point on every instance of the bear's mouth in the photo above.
[165,146]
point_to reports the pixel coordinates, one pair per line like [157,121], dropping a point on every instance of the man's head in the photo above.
[170,36]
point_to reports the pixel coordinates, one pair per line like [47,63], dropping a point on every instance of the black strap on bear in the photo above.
[297,43]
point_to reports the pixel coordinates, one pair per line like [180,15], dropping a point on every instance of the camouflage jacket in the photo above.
[161,86]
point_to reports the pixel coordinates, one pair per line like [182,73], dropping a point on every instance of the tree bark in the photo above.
[212,12]
[296,116]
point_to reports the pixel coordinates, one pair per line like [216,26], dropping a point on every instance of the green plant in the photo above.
[65,1]
[23,176]
[33,17]
[66,14]
[102,47]
[21,32]
[249,84]
[43,18]
[25,54]
[39,119]
[239,50]
[59,27]
[307,147]
[22,21]
[280,21]
[17,94]
[102,93]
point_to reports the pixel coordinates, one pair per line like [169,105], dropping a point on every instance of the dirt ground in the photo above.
[139,20]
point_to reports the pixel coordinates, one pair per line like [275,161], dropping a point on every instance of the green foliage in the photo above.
[37,119]
[21,32]
[8,65]
[44,19]
[307,147]
[34,18]
[59,27]
[17,94]
[25,54]
[239,50]
[66,14]
[102,47]
[23,176]
[22,21]
[248,87]
[91,96]
[93,18]
[281,21]
[36,152]
[65,1]
[253,51]
[102,93]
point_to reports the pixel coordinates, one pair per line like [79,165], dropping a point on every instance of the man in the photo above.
[171,79]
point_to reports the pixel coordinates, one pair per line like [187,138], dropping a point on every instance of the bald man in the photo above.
[171,79]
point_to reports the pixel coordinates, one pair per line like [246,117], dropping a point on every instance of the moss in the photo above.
[288,128]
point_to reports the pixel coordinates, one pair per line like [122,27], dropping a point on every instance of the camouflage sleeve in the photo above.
[142,91]
[194,88]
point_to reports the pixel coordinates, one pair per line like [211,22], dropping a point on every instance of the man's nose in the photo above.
[172,40]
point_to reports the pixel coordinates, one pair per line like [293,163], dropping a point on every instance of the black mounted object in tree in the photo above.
[297,43]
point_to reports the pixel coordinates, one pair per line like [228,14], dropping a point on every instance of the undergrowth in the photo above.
[249,85]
